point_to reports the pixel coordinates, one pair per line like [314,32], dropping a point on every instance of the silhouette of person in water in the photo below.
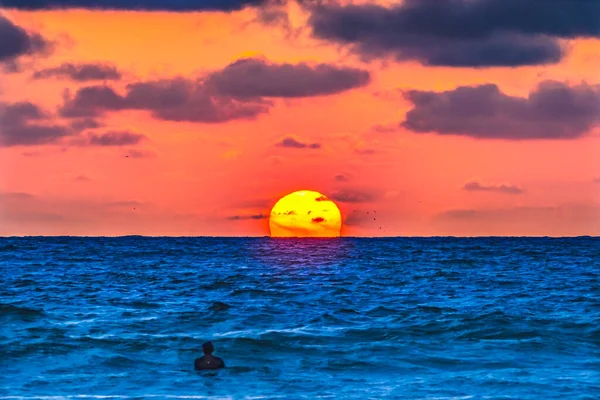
[208,361]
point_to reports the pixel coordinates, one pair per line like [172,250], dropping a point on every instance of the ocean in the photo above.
[348,318]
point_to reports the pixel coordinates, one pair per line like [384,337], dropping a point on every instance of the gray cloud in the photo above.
[258,78]
[353,196]
[502,188]
[85,123]
[247,217]
[16,41]
[552,111]
[145,5]
[293,143]
[173,100]
[80,72]
[239,91]
[25,124]
[341,178]
[91,101]
[122,138]
[459,32]
[361,218]
[185,100]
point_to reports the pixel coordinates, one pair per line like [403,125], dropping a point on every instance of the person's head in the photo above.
[208,348]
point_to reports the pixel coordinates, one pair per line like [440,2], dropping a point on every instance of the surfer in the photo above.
[208,361]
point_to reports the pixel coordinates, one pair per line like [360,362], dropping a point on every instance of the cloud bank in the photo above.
[80,72]
[295,144]
[553,110]
[142,5]
[459,33]
[242,90]
[16,41]
[475,186]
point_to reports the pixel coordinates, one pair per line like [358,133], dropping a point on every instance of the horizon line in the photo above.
[297,237]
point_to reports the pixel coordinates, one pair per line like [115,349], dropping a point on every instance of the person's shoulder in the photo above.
[220,361]
[199,361]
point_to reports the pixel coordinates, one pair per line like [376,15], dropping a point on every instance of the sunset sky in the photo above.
[164,117]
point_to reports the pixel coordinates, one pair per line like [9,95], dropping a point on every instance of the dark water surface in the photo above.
[422,318]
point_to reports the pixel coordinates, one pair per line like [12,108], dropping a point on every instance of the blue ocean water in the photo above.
[415,318]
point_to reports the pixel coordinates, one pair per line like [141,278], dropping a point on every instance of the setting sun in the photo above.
[305,213]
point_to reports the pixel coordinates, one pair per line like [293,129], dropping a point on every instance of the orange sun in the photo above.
[305,214]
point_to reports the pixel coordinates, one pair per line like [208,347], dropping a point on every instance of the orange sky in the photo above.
[194,178]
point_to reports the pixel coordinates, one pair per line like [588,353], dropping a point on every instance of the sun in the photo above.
[305,213]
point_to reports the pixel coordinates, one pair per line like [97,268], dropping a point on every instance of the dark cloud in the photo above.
[25,124]
[341,178]
[552,111]
[186,100]
[85,123]
[460,32]
[258,78]
[502,188]
[322,198]
[293,143]
[353,196]
[92,101]
[359,218]
[145,5]
[115,139]
[317,220]
[80,72]
[245,217]
[173,100]
[239,91]
[286,213]
[31,135]
[20,113]
[16,41]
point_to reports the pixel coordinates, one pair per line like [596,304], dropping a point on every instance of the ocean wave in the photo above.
[347,318]
[20,312]
[219,306]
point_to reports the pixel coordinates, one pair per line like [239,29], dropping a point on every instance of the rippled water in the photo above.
[331,318]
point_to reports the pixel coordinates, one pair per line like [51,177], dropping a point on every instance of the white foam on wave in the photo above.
[83,321]
[306,330]
[259,332]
